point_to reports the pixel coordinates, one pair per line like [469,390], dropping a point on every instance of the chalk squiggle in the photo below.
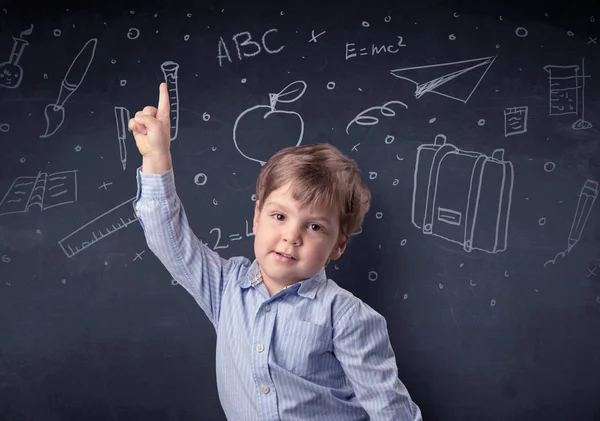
[368,120]
[559,254]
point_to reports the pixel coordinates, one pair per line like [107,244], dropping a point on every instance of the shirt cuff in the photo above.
[155,186]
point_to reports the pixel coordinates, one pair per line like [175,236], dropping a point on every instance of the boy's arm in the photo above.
[200,270]
[361,344]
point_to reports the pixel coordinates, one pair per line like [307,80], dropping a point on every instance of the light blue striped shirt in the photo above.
[313,351]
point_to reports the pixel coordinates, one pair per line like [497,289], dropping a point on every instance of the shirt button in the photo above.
[265,389]
[267,308]
[260,348]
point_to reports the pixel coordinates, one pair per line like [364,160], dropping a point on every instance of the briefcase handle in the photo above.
[440,139]
[498,154]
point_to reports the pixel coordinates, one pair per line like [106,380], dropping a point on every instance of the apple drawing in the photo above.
[262,130]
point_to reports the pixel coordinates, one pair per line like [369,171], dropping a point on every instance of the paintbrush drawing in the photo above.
[55,113]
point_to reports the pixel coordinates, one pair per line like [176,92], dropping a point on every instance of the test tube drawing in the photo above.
[170,69]
[564,92]
[122,117]
[587,198]
[11,73]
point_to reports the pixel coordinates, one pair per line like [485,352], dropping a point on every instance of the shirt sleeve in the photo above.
[196,267]
[362,346]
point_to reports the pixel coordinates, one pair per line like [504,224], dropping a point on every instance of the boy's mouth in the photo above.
[288,256]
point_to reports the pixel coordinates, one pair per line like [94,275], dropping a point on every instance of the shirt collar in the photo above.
[308,287]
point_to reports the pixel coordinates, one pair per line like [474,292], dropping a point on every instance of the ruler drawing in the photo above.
[121,216]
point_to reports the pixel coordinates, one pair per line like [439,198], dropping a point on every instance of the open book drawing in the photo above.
[44,190]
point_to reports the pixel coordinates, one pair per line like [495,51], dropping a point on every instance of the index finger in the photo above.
[163,103]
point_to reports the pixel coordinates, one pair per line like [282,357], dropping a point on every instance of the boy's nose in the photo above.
[292,236]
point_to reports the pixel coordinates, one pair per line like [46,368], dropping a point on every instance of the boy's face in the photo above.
[308,236]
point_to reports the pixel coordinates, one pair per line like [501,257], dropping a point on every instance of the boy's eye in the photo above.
[315,227]
[279,216]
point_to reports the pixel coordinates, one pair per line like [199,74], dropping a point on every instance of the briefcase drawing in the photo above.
[463,196]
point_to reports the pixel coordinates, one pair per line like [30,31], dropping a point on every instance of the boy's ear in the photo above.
[256,216]
[339,249]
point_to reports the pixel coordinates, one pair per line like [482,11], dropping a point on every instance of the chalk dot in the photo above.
[481,122]
[461,265]
[456,15]
[214,148]
[405,296]
[215,202]
[452,37]
[403,242]
[189,15]
[282,13]
[45,75]
[506,274]
[493,302]
[570,33]
[472,283]
[549,166]
[132,12]
[105,263]
[78,148]
[330,85]
[22,160]
[379,215]
[432,120]
[174,282]
[592,19]
[253,197]
[200,179]
[396,182]
[37,231]
[206,116]
[113,61]
[521,32]
[440,285]
[542,221]
[365,24]
[360,89]
[389,139]
[186,37]
[373,276]
[122,82]
[4,127]
[133,33]
[64,281]
[497,45]
[57,32]
[387,19]
[243,80]
[372,175]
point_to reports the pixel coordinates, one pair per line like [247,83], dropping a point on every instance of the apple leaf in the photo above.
[289,93]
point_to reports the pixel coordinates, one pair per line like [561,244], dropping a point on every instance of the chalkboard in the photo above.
[475,125]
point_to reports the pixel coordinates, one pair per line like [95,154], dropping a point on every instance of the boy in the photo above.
[291,344]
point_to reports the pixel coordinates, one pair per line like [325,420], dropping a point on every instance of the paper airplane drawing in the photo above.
[457,80]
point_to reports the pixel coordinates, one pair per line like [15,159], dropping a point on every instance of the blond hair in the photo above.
[320,175]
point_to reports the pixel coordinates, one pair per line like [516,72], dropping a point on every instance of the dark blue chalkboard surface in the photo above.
[476,125]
